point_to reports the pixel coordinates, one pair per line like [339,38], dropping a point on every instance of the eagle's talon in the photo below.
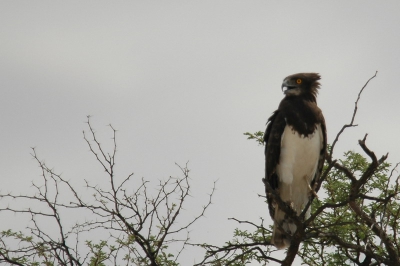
[312,192]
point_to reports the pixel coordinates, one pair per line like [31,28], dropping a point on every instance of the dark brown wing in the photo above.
[322,153]
[272,138]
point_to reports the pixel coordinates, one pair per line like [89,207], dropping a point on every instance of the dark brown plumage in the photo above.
[295,145]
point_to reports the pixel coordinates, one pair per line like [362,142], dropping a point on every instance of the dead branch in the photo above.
[141,224]
[351,124]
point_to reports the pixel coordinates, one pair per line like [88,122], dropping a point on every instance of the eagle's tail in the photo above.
[281,239]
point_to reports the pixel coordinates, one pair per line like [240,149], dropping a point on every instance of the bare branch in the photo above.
[351,124]
[140,224]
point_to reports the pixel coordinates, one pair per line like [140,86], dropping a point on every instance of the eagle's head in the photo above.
[301,84]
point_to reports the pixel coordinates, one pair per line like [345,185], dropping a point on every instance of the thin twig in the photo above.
[351,124]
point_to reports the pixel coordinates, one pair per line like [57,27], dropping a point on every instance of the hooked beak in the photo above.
[286,87]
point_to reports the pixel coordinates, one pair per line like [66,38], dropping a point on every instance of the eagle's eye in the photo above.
[298,81]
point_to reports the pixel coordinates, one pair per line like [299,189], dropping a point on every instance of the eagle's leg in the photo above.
[312,192]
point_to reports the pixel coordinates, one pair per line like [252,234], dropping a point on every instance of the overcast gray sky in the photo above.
[182,81]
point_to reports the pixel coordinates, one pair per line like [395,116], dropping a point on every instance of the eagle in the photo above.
[295,146]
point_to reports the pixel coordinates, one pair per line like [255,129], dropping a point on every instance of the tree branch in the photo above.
[351,124]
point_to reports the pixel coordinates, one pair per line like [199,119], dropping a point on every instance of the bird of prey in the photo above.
[295,145]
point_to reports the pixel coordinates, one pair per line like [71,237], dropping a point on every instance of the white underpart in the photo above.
[297,166]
